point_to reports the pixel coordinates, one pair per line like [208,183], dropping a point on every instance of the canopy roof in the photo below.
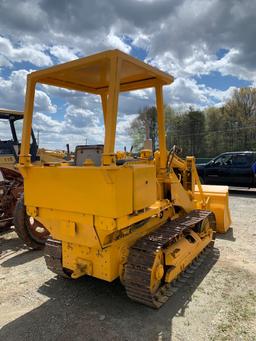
[7,113]
[92,74]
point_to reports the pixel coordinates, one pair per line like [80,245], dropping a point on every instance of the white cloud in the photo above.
[63,53]
[132,102]
[185,93]
[12,92]
[81,118]
[44,103]
[77,127]
[4,62]
[35,54]
[46,124]
[55,134]
[180,37]
[122,138]
[116,42]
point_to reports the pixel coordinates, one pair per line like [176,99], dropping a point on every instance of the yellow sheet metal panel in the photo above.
[184,253]
[144,186]
[67,226]
[218,203]
[99,191]
[105,263]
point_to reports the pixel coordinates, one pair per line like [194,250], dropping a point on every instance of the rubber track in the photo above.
[142,255]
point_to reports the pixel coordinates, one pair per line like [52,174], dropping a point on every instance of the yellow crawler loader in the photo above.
[142,220]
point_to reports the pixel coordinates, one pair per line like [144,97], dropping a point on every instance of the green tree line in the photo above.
[203,133]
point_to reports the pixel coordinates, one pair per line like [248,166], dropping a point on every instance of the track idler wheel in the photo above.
[30,231]
[157,272]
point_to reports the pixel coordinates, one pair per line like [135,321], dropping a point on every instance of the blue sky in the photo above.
[217,81]
[200,42]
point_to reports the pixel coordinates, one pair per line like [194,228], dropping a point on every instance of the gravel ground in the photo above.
[217,303]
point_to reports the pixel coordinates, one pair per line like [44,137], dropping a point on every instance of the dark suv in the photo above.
[233,169]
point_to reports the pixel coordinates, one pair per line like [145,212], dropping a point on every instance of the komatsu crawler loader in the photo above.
[142,220]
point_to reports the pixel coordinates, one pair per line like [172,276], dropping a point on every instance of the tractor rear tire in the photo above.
[30,231]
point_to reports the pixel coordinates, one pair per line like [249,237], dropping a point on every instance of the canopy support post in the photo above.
[111,112]
[161,126]
[25,157]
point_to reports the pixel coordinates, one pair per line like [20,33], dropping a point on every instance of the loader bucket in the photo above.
[217,203]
